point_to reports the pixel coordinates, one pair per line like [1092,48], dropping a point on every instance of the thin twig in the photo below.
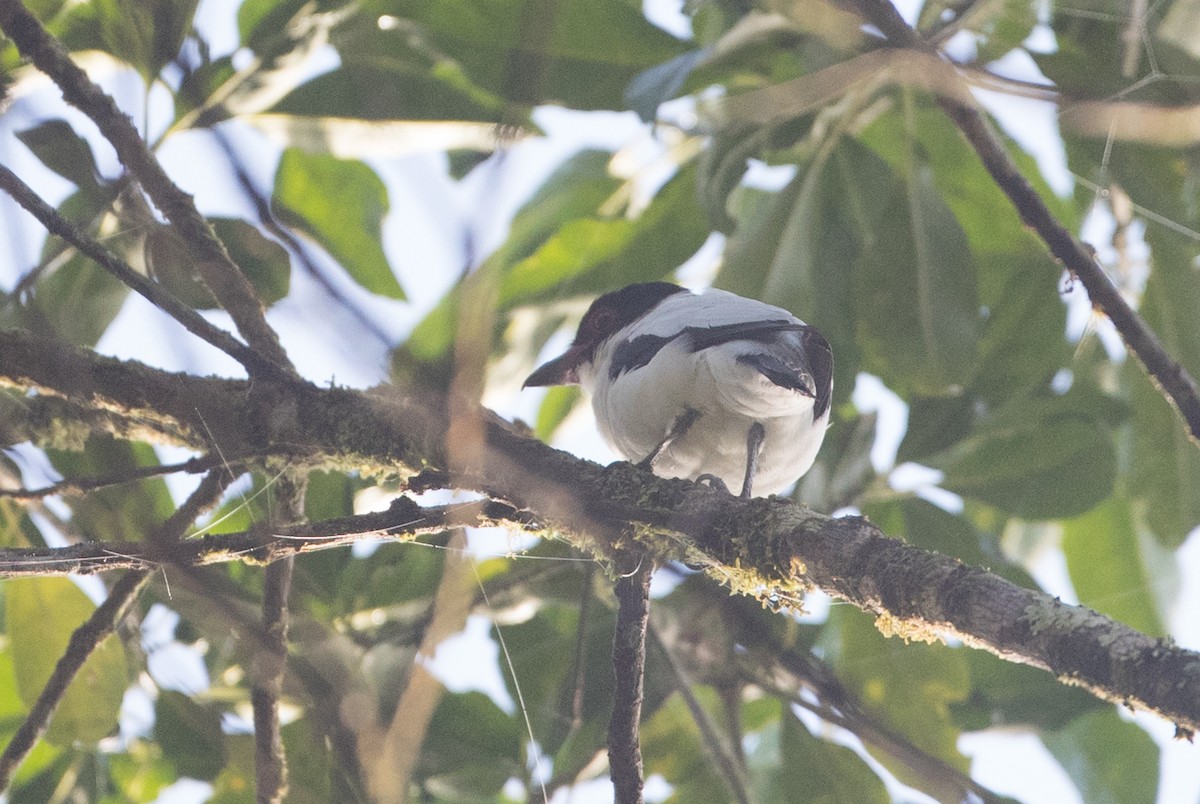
[82,485]
[629,665]
[1168,374]
[270,762]
[155,293]
[405,520]
[226,282]
[579,673]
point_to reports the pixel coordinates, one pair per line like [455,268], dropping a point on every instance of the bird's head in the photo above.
[607,316]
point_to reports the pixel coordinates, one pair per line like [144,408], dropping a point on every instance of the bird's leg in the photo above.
[683,422]
[754,441]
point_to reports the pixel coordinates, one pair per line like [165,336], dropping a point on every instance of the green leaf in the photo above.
[310,763]
[542,653]
[671,747]
[910,687]
[145,34]
[1039,458]
[1005,694]
[77,300]
[595,254]
[264,262]
[235,784]
[472,748]
[392,90]
[660,83]
[1165,472]
[139,774]
[341,205]
[172,24]
[1108,568]
[190,735]
[330,494]
[1110,760]
[578,54]
[59,148]
[934,424]
[40,615]
[125,512]
[918,308]
[170,262]
[1088,61]
[1022,344]
[825,772]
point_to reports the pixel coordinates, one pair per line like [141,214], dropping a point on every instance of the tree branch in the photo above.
[270,761]
[404,521]
[226,282]
[629,664]
[1168,374]
[764,547]
[82,485]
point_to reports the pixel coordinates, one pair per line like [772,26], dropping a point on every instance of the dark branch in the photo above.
[769,546]
[270,762]
[1168,374]
[82,485]
[629,665]
[403,521]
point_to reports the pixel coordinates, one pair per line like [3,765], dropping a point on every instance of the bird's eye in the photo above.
[602,321]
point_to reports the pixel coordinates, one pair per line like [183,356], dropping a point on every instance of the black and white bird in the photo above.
[702,386]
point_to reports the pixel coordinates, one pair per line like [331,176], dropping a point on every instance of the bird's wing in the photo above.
[804,363]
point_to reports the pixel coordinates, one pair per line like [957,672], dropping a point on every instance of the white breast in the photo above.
[637,409]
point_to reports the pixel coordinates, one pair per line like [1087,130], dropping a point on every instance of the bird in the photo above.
[708,386]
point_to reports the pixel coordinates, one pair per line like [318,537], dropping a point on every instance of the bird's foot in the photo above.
[712,481]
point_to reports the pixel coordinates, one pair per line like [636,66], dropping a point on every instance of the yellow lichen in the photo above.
[908,629]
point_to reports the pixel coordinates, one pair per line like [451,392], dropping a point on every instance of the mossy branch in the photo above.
[771,548]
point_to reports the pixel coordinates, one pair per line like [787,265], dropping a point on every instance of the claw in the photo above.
[713,481]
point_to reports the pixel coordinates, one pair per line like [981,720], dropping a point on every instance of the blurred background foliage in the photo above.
[793,161]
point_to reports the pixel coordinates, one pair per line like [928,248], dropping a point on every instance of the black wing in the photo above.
[806,367]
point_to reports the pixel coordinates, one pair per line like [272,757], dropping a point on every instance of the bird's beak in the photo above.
[562,370]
